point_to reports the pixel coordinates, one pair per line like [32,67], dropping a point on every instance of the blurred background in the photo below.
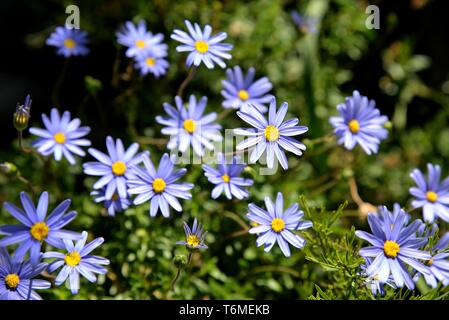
[403,66]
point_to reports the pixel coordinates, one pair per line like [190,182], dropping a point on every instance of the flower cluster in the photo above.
[36,228]
[147,49]
[399,253]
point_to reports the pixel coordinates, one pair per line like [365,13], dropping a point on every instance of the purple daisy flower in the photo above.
[202,47]
[240,91]
[227,178]
[188,126]
[272,136]
[432,194]
[152,64]
[77,261]
[438,263]
[194,237]
[275,225]
[69,42]
[376,286]
[62,136]
[115,168]
[360,123]
[394,245]
[159,186]
[37,226]
[140,41]
[113,205]
[15,278]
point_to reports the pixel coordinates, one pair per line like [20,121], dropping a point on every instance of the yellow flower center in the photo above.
[119,168]
[12,280]
[226,178]
[150,61]
[429,262]
[59,137]
[277,224]
[39,231]
[114,197]
[354,126]
[69,43]
[140,44]
[391,249]
[201,46]
[193,240]
[431,196]
[243,95]
[271,133]
[159,185]
[189,125]
[72,259]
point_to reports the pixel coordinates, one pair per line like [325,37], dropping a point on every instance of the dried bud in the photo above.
[22,114]
[180,261]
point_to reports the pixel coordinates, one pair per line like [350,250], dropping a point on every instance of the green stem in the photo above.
[186,81]
[56,88]
[178,272]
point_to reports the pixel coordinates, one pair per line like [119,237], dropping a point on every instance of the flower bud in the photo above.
[180,261]
[22,114]
[9,169]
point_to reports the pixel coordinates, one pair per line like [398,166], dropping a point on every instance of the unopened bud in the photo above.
[9,169]
[22,114]
[180,261]
[388,125]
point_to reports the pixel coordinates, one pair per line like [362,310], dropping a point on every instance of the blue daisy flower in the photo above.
[360,123]
[188,126]
[114,168]
[438,264]
[242,91]
[159,186]
[202,47]
[36,226]
[113,205]
[272,136]
[69,42]
[432,194]
[15,278]
[305,23]
[140,41]
[227,178]
[277,225]
[373,283]
[194,237]
[77,261]
[62,136]
[394,245]
[152,64]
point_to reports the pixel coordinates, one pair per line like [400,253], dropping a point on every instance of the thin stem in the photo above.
[224,113]
[186,81]
[189,257]
[355,192]
[28,183]
[21,146]
[56,88]
[236,218]
[178,272]
[152,141]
